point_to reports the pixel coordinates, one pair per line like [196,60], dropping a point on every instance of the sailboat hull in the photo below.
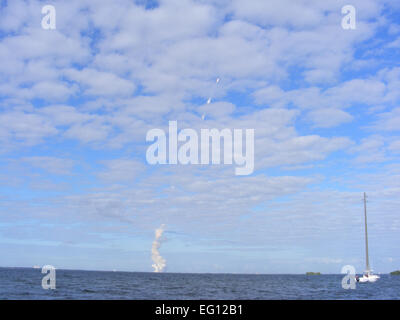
[370,278]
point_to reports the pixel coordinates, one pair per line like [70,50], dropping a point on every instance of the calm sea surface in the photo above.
[21,283]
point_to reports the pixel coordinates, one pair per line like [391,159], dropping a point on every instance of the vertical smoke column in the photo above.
[159,262]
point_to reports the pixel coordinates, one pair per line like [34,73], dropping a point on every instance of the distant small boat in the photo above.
[36,267]
[368,276]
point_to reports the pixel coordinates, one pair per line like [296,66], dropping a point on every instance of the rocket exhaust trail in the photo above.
[210,98]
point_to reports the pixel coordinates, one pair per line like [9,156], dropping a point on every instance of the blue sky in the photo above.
[76,103]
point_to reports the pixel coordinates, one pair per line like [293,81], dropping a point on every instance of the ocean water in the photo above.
[25,283]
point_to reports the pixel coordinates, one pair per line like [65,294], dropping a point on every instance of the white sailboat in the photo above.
[368,276]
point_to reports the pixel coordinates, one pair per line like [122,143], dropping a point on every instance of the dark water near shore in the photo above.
[21,283]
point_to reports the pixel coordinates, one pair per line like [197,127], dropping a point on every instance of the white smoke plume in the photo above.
[159,262]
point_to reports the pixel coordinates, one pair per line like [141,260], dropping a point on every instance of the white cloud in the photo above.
[27,128]
[395,146]
[89,132]
[388,121]
[121,170]
[51,164]
[370,150]
[217,109]
[330,117]
[99,83]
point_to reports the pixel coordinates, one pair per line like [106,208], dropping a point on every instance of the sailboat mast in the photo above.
[366,232]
